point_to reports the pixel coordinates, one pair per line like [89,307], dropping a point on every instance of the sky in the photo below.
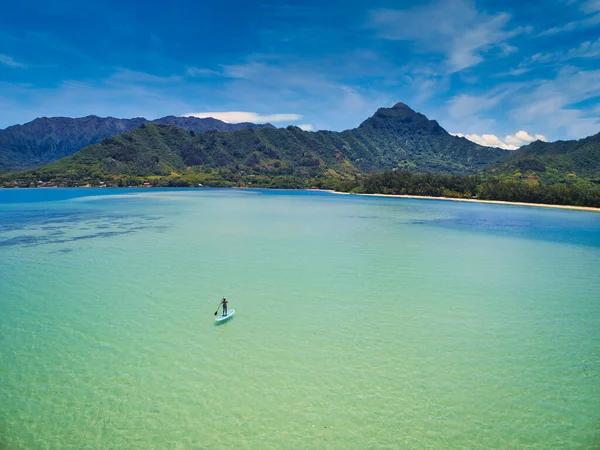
[501,73]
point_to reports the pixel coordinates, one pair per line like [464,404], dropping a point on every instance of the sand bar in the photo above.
[473,200]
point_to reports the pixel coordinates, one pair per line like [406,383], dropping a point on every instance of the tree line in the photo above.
[475,186]
[483,187]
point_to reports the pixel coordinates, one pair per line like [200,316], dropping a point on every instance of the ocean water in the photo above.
[361,322]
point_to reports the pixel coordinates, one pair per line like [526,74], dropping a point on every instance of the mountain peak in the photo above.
[402,118]
[403,106]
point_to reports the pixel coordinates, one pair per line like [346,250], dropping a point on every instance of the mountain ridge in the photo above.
[554,161]
[47,139]
[391,139]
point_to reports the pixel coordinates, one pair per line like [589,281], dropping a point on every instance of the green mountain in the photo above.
[394,138]
[400,138]
[175,156]
[45,140]
[551,162]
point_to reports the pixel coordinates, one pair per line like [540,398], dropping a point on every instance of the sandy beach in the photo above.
[473,200]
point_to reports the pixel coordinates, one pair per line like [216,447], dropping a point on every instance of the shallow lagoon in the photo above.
[360,322]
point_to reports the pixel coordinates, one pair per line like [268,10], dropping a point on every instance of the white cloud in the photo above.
[243,116]
[460,32]
[8,61]
[550,103]
[487,140]
[306,127]
[132,76]
[425,88]
[201,72]
[248,71]
[323,89]
[587,49]
[325,95]
[514,72]
[523,137]
[464,105]
[467,108]
[510,142]
[591,6]
[108,97]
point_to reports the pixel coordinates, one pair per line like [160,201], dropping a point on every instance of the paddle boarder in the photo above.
[224,303]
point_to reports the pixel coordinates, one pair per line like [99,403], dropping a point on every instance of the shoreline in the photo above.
[330,191]
[472,200]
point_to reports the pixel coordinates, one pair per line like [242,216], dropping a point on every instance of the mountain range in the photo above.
[45,140]
[180,151]
[555,161]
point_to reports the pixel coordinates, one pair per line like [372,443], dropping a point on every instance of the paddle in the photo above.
[217,309]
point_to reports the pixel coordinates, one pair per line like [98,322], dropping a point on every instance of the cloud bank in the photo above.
[243,116]
[452,27]
[510,142]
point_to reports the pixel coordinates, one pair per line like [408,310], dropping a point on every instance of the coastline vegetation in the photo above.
[355,161]
[481,187]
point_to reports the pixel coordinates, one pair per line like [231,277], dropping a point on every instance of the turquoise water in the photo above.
[360,322]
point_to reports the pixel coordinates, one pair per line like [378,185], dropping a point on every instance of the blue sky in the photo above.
[500,72]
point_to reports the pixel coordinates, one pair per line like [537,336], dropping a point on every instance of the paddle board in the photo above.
[223,317]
